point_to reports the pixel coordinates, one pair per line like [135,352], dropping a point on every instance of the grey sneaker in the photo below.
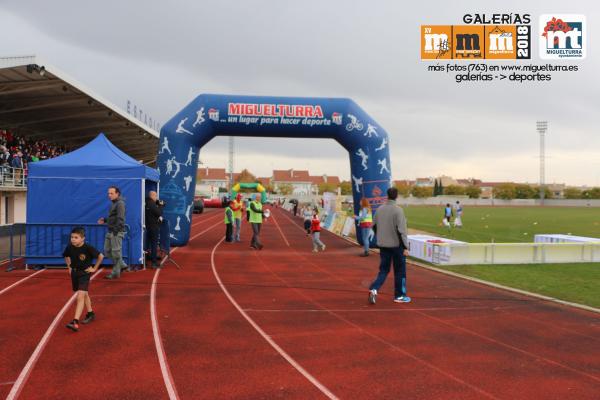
[402,299]
[372,296]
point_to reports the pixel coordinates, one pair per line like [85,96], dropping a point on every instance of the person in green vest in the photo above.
[365,222]
[256,219]
[229,222]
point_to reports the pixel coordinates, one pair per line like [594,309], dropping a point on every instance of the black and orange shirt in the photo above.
[81,257]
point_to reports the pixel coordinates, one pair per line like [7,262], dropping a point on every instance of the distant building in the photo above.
[264,180]
[404,182]
[469,182]
[318,180]
[212,176]
[557,190]
[446,181]
[487,189]
[425,182]
[300,181]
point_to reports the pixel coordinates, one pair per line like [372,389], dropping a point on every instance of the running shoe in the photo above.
[89,317]
[323,248]
[402,299]
[73,325]
[373,296]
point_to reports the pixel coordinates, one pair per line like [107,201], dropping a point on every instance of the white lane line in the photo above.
[280,231]
[373,310]
[262,333]
[160,350]
[162,357]
[20,281]
[374,336]
[24,375]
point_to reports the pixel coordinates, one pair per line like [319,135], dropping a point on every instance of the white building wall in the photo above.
[20,207]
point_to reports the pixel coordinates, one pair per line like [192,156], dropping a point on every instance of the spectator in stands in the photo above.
[4,155]
[17,164]
[17,152]
[113,242]
[30,150]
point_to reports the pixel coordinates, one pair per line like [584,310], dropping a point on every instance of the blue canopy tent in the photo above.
[71,190]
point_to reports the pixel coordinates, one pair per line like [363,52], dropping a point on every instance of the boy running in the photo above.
[315,227]
[78,257]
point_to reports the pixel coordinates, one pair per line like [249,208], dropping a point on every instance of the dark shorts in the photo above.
[80,280]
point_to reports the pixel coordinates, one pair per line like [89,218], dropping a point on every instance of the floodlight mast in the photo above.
[542,126]
[231,160]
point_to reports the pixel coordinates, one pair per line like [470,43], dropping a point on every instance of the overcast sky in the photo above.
[162,54]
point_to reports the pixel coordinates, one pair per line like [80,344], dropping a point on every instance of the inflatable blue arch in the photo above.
[210,115]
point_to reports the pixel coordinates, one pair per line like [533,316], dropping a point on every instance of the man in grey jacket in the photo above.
[389,225]
[113,242]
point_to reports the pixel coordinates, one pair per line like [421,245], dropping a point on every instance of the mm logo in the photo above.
[508,42]
[468,41]
[562,36]
[436,42]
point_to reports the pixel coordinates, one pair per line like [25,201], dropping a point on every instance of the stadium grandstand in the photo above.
[44,113]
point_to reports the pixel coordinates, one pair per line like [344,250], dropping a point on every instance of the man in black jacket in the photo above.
[153,220]
[113,242]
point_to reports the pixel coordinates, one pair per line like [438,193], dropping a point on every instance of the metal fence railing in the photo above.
[13,177]
[43,244]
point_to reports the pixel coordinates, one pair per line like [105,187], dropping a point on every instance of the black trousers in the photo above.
[152,241]
[229,232]
[255,242]
[307,226]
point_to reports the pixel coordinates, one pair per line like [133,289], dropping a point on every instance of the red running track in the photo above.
[288,323]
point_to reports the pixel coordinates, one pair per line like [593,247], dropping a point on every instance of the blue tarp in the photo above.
[97,159]
[72,190]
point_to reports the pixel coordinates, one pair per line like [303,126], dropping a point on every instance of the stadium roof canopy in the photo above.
[39,102]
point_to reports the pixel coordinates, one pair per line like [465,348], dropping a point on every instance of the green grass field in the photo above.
[507,224]
[577,282]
